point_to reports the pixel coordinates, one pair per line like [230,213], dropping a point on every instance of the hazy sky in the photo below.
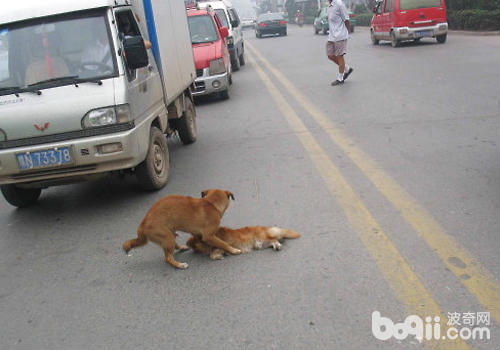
[244,7]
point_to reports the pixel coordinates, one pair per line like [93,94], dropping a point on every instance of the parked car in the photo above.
[211,55]
[230,19]
[84,96]
[247,23]
[321,21]
[402,20]
[270,24]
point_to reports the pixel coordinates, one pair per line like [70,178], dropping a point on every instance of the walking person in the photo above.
[336,46]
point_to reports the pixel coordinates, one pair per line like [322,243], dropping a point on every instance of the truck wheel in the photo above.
[235,65]
[242,59]
[224,95]
[441,38]
[375,41]
[153,172]
[186,125]
[394,41]
[20,197]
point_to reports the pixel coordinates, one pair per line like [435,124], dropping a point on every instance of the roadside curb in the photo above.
[471,33]
[459,32]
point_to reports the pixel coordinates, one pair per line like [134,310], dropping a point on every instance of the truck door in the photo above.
[388,17]
[144,85]
[237,33]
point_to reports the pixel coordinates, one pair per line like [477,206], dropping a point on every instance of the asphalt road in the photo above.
[393,179]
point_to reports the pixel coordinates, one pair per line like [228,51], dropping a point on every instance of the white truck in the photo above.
[90,87]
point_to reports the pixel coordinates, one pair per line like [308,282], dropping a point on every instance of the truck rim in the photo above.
[159,160]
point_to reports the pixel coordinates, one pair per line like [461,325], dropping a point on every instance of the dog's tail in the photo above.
[284,233]
[141,240]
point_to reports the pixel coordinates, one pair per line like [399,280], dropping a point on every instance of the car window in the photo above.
[127,27]
[270,17]
[419,4]
[223,17]
[33,52]
[389,6]
[234,15]
[202,29]
[4,55]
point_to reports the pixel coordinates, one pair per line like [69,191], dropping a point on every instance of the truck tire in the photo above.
[441,39]
[242,59]
[375,41]
[152,173]
[235,65]
[224,95]
[394,41]
[20,197]
[186,125]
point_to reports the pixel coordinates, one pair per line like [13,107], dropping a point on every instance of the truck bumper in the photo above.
[209,84]
[410,33]
[90,155]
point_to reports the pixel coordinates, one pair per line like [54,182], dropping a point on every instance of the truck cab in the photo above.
[230,19]
[403,20]
[86,89]
[211,55]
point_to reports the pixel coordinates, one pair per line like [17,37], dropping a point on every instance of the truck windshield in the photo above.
[49,53]
[202,29]
[419,4]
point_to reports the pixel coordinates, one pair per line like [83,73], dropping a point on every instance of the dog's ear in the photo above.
[230,195]
[203,194]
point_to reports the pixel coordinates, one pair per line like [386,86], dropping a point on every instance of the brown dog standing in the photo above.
[199,216]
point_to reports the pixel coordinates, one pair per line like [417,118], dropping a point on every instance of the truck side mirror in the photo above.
[224,32]
[135,52]
[235,23]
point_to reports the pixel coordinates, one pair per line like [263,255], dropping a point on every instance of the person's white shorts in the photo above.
[336,48]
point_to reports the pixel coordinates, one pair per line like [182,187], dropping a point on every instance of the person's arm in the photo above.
[348,25]
[345,16]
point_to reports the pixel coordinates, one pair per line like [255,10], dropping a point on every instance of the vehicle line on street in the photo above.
[469,270]
[407,286]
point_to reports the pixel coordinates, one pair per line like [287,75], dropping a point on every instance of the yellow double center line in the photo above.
[406,285]
[471,273]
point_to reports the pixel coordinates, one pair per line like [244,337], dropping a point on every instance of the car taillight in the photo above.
[262,24]
[282,22]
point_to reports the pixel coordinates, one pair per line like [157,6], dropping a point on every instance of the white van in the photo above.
[82,95]
[230,19]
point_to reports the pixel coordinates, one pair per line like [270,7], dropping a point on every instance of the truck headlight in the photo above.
[107,116]
[3,135]
[230,41]
[217,67]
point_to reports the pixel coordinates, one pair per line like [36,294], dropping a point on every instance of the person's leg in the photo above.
[341,63]
[333,59]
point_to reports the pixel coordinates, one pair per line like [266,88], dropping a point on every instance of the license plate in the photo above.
[44,159]
[423,33]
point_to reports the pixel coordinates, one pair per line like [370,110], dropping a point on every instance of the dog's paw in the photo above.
[236,251]
[182,266]
[276,246]
[217,256]
[182,248]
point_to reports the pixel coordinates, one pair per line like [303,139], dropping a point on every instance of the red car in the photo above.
[211,56]
[402,20]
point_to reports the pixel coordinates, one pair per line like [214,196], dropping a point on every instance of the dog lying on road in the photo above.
[245,238]
[199,216]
